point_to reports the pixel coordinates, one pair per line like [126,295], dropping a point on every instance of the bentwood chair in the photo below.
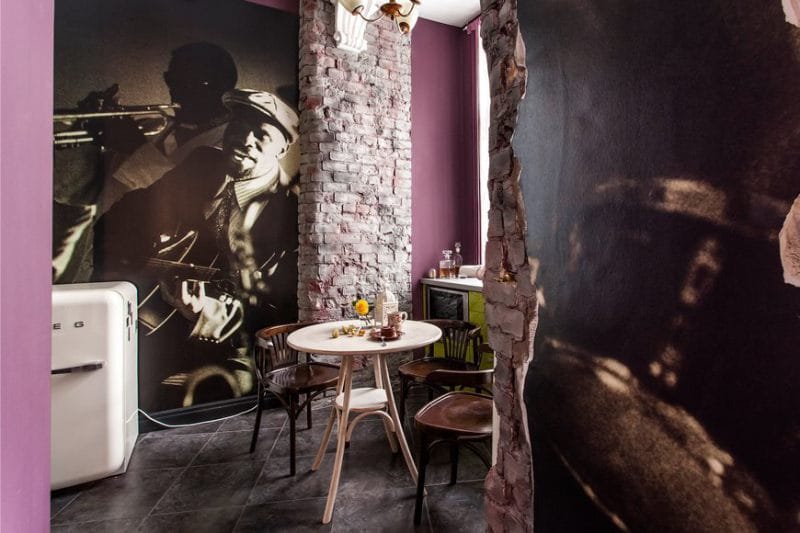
[280,373]
[457,339]
[456,418]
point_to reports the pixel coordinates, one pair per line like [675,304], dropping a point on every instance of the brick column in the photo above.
[509,290]
[355,170]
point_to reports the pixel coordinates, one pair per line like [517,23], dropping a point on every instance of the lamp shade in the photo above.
[407,23]
[351,5]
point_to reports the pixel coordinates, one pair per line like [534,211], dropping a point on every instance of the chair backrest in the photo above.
[485,350]
[271,351]
[480,380]
[457,338]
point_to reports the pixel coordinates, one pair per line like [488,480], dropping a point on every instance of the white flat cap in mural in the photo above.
[276,110]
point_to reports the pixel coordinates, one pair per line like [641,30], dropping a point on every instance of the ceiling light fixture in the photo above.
[404,13]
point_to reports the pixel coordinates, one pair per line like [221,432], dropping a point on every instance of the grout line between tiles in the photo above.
[261,472]
[65,506]
[177,478]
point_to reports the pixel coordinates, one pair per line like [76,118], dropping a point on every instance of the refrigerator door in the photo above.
[94,385]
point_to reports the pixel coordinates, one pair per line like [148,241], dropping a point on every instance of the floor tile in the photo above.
[60,499]
[129,495]
[293,516]
[271,418]
[362,472]
[275,483]
[457,507]
[387,510]
[307,441]
[470,467]
[125,525]
[169,451]
[231,446]
[218,520]
[219,485]
[226,486]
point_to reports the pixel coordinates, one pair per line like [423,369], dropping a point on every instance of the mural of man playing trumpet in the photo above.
[122,151]
[219,244]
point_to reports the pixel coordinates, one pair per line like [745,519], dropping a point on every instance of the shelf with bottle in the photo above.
[446,265]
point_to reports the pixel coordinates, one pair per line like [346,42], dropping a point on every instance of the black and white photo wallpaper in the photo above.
[175,168]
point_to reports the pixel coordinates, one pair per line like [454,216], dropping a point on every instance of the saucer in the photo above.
[376,336]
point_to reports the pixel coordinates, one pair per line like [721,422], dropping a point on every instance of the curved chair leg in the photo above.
[423,464]
[308,410]
[257,425]
[292,428]
[403,394]
[453,462]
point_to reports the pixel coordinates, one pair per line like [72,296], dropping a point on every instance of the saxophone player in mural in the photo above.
[213,244]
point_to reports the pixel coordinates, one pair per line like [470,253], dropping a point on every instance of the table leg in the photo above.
[326,437]
[398,425]
[390,435]
[340,444]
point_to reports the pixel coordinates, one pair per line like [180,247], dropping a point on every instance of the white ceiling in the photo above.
[452,12]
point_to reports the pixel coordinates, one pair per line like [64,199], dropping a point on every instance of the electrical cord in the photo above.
[164,424]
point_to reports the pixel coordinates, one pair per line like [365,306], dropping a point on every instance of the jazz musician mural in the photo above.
[180,177]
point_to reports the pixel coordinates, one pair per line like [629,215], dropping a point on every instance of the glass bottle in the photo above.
[446,264]
[458,260]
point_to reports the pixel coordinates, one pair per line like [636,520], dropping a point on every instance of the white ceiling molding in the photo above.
[452,12]
[349,34]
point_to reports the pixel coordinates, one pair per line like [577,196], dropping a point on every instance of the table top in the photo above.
[317,339]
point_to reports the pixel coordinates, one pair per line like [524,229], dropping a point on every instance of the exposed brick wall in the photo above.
[355,171]
[510,294]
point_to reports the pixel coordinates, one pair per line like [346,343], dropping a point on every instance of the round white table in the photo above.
[317,339]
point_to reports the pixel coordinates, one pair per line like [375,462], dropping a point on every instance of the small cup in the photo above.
[388,331]
[396,320]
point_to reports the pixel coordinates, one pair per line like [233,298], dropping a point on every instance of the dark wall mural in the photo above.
[175,168]
[660,145]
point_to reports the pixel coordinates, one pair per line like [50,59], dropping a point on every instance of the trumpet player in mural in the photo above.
[109,150]
[219,244]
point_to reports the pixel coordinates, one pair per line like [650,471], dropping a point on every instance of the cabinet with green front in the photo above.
[456,299]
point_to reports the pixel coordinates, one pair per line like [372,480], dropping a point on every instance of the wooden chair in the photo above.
[456,418]
[457,338]
[279,372]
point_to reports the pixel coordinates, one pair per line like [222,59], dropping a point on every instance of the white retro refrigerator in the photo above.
[94,396]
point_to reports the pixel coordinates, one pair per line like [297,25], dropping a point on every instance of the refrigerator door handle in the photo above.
[86,367]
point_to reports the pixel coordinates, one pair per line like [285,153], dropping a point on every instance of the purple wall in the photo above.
[444,185]
[26,50]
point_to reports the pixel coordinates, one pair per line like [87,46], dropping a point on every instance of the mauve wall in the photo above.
[26,53]
[444,183]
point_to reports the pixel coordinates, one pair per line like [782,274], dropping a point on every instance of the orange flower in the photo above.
[362,307]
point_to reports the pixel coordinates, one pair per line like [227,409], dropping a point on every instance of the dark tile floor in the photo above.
[202,479]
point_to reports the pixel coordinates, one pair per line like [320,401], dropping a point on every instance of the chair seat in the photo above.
[421,368]
[364,399]
[303,377]
[457,414]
